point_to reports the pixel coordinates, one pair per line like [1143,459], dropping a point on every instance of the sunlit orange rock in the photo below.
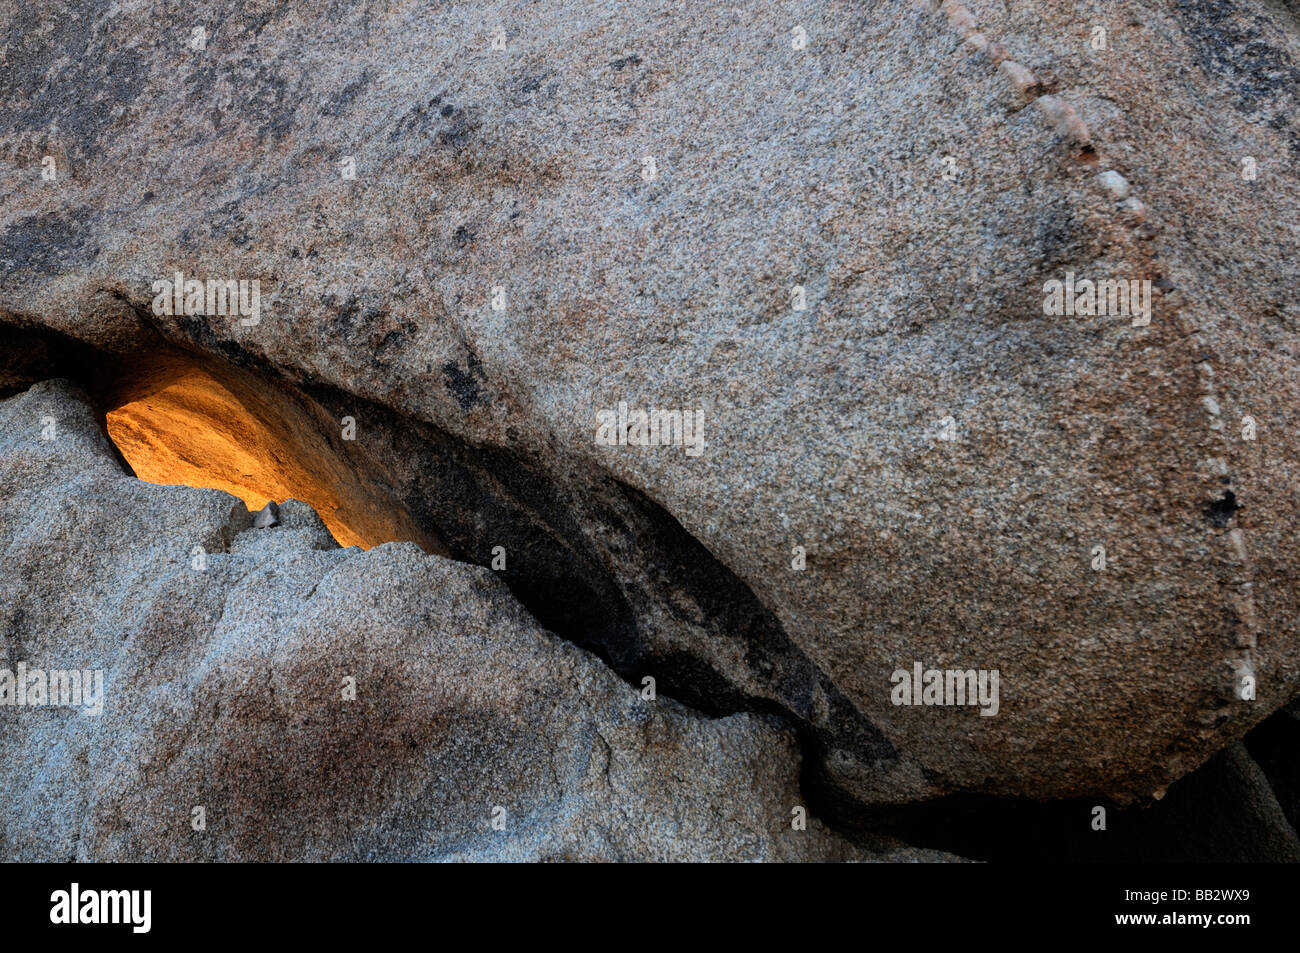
[178,419]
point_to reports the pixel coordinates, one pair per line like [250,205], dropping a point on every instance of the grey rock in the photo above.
[267,516]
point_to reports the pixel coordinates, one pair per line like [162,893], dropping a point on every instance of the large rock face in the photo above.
[949,457]
[224,689]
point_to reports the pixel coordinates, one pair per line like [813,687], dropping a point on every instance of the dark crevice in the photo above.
[604,566]
[31,355]
[1240,806]
[1221,512]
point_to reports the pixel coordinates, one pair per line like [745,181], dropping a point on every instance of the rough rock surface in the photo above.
[523,169]
[222,690]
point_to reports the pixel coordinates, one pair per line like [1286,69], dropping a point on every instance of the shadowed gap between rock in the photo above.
[599,563]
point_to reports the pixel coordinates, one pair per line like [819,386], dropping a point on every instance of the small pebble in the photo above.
[1114,183]
[268,515]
